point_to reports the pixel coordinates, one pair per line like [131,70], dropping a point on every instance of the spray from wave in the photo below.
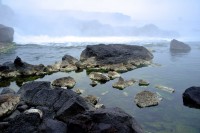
[68,41]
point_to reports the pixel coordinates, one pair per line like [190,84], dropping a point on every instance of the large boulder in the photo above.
[114,54]
[6,34]
[108,120]
[191,97]
[20,68]
[177,46]
[39,93]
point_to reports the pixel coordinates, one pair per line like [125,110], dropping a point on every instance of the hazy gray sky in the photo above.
[138,9]
[180,15]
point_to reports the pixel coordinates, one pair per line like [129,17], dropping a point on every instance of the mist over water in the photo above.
[51,21]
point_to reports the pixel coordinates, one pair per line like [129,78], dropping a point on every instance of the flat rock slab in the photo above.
[191,97]
[146,99]
[68,82]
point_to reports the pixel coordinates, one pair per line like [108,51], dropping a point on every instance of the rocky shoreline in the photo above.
[57,109]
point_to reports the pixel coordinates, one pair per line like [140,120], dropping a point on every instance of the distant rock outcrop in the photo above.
[177,46]
[6,34]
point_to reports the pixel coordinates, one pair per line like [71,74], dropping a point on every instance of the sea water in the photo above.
[176,70]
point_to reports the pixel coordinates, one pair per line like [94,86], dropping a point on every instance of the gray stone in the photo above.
[97,76]
[146,99]
[68,82]
[92,99]
[143,82]
[177,46]
[122,84]
[113,75]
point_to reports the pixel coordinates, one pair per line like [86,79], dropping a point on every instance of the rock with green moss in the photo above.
[122,84]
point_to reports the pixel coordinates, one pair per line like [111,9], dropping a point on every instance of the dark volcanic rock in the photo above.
[39,93]
[6,34]
[101,55]
[62,110]
[177,46]
[104,120]
[24,123]
[20,68]
[191,97]
[53,126]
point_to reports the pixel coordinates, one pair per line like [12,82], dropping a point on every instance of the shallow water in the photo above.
[175,70]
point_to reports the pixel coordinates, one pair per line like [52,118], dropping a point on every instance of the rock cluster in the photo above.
[53,109]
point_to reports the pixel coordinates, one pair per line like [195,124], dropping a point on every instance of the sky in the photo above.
[137,9]
[167,14]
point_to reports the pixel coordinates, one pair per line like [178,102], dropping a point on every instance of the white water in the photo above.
[83,41]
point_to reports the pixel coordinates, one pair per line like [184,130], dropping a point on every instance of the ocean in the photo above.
[176,70]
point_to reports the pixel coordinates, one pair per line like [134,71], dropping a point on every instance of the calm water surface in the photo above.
[177,70]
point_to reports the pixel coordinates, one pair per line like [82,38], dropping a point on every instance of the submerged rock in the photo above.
[93,83]
[92,99]
[122,84]
[191,97]
[68,82]
[98,76]
[109,56]
[143,82]
[165,88]
[146,99]
[177,46]
[8,103]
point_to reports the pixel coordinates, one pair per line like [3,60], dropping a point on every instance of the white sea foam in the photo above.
[82,41]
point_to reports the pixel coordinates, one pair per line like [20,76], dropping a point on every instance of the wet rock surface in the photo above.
[110,55]
[68,82]
[97,76]
[191,97]
[146,99]
[53,109]
[122,84]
